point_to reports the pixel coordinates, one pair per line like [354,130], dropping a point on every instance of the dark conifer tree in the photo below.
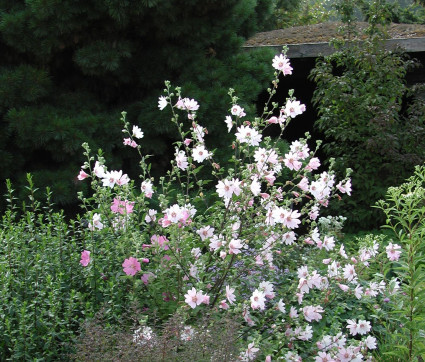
[68,69]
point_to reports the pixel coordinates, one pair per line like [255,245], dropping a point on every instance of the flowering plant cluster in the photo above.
[253,248]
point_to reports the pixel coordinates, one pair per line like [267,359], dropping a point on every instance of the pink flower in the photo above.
[131,266]
[181,160]
[205,232]
[313,313]
[237,111]
[345,189]
[194,298]
[250,352]
[137,132]
[223,305]
[393,252]
[160,240]
[229,123]
[187,141]
[99,170]
[281,63]
[258,300]
[162,102]
[230,294]
[145,278]
[147,188]
[234,246]
[294,108]
[360,327]
[248,135]
[291,220]
[115,177]
[122,207]
[267,288]
[82,175]
[313,164]
[344,287]
[85,258]
[291,161]
[200,153]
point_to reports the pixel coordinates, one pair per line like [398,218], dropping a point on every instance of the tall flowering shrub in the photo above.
[246,242]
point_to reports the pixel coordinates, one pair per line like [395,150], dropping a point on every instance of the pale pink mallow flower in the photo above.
[129,142]
[151,215]
[223,305]
[370,342]
[227,188]
[344,287]
[216,242]
[199,132]
[303,184]
[181,160]
[85,258]
[268,289]
[313,313]
[174,213]
[229,123]
[147,188]
[313,164]
[346,188]
[294,108]
[393,251]
[96,223]
[281,63]
[200,153]
[300,149]
[99,170]
[137,132]
[162,103]
[122,207]
[236,110]
[291,161]
[258,300]
[230,294]
[160,241]
[110,179]
[358,292]
[358,327]
[235,246]
[205,232]
[195,298]
[289,218]
[248,135]
[187,104]
[289,238]
[131,266]
[306,334]
[82,175]
[281,306]
[349,272]
[314,212]
[323,357]
[255,187]
[250,353]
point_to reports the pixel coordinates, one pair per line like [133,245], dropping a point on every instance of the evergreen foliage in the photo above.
[68,69]
[364,117]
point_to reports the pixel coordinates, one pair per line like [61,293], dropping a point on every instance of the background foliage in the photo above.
[68,69]
[370,119]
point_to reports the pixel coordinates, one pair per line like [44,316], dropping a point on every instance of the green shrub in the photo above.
[360,95]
